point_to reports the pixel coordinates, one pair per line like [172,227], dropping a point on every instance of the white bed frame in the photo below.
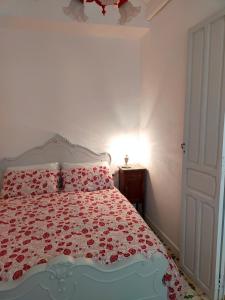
[65,278]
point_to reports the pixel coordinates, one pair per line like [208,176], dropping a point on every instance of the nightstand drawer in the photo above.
[133,175]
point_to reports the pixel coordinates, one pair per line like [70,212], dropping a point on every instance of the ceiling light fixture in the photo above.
[104,3]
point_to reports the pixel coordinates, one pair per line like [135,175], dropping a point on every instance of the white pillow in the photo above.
[47,166]
[67,165]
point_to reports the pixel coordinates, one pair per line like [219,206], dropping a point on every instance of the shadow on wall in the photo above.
[116,178]
[149,197]
[76,11]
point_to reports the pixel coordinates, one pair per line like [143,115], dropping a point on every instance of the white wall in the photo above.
[85,88]
[162,107]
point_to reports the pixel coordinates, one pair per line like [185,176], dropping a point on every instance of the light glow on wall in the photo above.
[136,145]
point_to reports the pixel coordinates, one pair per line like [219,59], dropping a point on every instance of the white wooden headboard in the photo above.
[57,149]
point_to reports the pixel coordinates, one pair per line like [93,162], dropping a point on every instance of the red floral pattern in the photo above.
[100,225]
[87,179]
[29,182]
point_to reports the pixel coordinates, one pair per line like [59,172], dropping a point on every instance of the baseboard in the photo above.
[163,236]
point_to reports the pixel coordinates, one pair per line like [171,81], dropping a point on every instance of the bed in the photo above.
[79,245]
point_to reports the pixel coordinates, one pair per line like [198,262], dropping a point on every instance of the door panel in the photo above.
[196,93]
[206,244]
[214,92]
[201,182]
[203,185]
[190,234]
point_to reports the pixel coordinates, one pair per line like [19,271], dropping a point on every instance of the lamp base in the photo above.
[126,167]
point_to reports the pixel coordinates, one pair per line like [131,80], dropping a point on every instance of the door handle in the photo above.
[183,147]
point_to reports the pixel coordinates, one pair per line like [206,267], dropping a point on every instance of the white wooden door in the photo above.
[203,165]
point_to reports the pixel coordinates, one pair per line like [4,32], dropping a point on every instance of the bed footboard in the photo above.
[65,278]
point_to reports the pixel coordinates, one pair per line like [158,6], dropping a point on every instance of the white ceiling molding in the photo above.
[154,7]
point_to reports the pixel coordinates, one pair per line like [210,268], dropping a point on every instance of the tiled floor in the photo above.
[191,291]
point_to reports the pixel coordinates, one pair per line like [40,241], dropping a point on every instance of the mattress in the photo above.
[101,225]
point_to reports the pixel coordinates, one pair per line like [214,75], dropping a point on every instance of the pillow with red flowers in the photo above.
[23,181]
[86,178]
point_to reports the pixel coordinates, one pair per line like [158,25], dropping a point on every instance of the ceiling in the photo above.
[74,10]
[132,20]
[133,13]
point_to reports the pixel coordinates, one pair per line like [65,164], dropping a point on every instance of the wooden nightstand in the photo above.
[132,184]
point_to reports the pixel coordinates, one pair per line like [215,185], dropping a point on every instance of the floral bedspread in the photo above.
[100,225]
